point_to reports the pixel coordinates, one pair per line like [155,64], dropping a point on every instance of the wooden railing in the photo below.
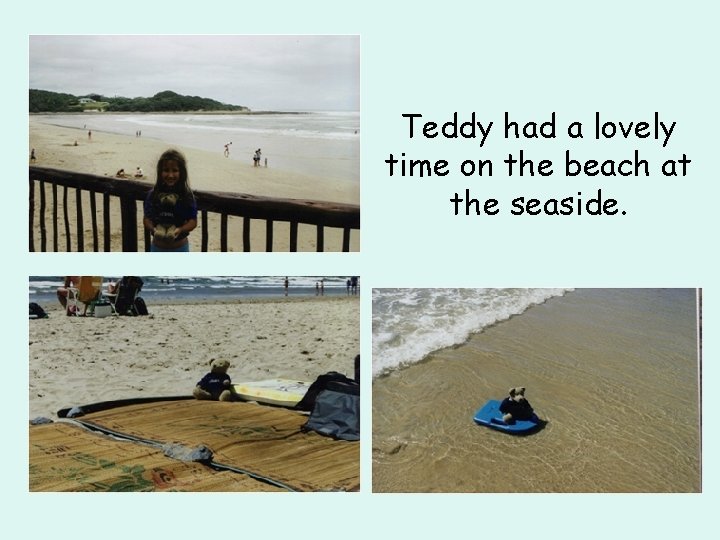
[85,189]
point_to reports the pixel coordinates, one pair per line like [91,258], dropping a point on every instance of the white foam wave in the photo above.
[409,324]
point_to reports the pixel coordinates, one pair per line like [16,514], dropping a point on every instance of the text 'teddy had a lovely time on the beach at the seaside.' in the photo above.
[528,162]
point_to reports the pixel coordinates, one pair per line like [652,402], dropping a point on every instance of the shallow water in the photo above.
[613,371]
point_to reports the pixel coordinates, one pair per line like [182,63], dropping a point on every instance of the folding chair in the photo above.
[87,293]
[123,300]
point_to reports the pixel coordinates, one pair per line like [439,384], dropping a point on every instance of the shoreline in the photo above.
[93,114]
[209,171]
[472,335]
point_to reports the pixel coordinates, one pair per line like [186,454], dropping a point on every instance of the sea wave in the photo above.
[409,324]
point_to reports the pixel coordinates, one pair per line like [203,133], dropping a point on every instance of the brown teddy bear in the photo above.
[167,231]
[215,385]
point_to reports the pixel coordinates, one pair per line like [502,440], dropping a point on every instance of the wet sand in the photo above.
[614,372]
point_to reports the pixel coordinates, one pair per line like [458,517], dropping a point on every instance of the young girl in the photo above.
[170,209]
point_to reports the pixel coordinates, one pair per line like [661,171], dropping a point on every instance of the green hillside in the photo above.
[167,101]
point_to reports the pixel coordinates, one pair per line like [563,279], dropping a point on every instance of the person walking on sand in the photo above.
[286,284]
[170,210]
[256,158]
[227,149]
[89,135]
[32,155]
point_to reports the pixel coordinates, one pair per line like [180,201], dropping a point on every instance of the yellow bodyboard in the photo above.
[284,392]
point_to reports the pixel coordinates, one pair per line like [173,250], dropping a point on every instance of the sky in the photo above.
[259,72]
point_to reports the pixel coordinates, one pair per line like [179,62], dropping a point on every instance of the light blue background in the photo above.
[624,59]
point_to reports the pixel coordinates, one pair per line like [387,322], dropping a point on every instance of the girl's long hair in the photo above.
[183,187]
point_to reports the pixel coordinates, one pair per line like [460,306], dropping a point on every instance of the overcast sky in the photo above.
[260,72]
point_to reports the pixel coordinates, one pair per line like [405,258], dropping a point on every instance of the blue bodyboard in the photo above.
[489,415]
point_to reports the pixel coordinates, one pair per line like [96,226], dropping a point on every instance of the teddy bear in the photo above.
[167,231]
[516,406]
[215,385]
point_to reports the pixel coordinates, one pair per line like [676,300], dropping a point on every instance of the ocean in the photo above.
[164,289]
[309,143]
[614,372]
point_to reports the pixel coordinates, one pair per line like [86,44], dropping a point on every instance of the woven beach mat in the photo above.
[261,440]
[68,457]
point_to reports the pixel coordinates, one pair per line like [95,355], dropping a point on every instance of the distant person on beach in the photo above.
[515,406]
[286,285]
[227,149]
[32,155]
[354,285]
[62,292]
[120,173]
[256,158]
[170,210]
[89,135]
[139,173]
[347,284]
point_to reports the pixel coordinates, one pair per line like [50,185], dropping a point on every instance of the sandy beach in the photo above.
[614,372]
[75,360]
[105,153]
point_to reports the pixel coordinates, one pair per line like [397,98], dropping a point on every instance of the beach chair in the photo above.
[84,296]
[124,299]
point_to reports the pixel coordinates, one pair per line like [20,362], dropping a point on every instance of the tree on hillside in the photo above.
[44,101]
